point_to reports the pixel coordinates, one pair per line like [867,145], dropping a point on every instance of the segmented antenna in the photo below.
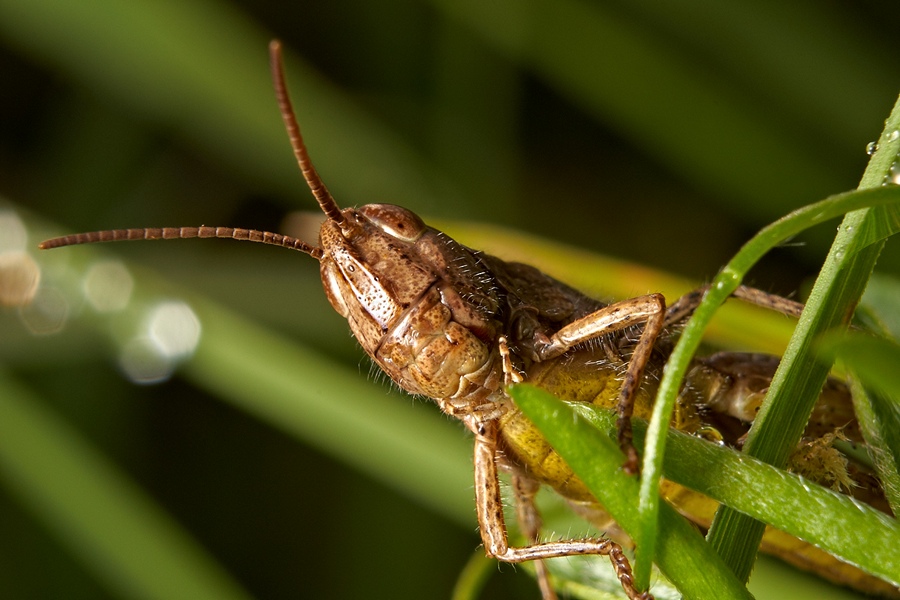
[315,183]
[183,233]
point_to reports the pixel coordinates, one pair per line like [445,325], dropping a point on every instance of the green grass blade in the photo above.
[683,556]
[857,534]
[722,287]
[799,378]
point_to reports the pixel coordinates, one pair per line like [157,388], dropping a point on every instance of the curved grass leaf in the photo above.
[722,287]
[799,378]
[858,534]
[683,555]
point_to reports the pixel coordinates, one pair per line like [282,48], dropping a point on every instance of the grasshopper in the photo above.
[457,325]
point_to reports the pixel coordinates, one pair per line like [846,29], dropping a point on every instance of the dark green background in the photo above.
[658,134]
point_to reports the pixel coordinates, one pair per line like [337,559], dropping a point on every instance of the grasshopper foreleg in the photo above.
[510,374]
[489,506]
[649,310]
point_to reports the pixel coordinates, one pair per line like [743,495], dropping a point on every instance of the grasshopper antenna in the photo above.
[183,233]
[323,196]
[315,183]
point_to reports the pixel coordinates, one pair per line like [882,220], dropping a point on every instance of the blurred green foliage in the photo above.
[666,134]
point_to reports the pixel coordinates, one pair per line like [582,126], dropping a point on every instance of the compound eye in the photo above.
[396,221]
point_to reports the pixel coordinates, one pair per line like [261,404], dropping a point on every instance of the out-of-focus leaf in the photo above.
[873,364]
[118,532]
[874,360]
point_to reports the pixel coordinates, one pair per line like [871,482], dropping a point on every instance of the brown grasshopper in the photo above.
[458,325]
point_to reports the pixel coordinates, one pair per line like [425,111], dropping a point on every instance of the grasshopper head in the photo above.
[371,268]
[379,260]
[421,305]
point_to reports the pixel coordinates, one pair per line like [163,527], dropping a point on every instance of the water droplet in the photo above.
[893,175]
[893,136]
[728,279]
[871,147]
